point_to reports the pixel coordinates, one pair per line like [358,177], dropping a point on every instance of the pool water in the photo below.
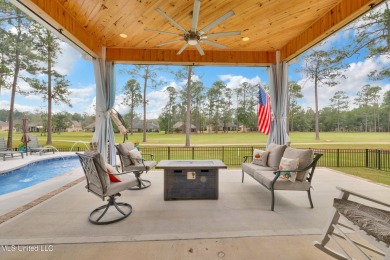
[36,172]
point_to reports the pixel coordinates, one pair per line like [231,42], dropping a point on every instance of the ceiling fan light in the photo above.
[192,42]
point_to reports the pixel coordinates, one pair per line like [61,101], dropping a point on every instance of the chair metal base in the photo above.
[142,184]
[117,205]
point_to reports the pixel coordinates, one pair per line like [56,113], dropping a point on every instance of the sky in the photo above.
[82,82]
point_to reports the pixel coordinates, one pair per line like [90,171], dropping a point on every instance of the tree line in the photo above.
[27,49]
[368,114]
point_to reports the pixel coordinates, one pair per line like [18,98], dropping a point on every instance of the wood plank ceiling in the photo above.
[290,26]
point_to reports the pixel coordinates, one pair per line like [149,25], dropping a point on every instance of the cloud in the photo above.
[356,77]
[234,81]
[67,59]
[156,102]
[4,104]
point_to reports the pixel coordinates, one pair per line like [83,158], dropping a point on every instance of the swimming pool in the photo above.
[36,172]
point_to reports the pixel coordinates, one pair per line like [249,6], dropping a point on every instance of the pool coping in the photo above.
[21,209]
[24,199]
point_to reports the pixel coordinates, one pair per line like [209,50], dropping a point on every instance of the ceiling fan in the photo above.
[193,36]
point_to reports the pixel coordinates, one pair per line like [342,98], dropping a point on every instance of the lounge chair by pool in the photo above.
[4,152]
[33,146]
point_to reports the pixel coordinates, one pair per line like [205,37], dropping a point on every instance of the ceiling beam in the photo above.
[339,16]
[63,23]
[190,57]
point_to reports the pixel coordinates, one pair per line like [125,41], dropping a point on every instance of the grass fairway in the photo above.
[366,173]
[329,140]
[298,139]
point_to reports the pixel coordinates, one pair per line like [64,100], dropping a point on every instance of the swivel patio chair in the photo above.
[33,146]
[135,165]
[4,152]
[98,182]
[370,223]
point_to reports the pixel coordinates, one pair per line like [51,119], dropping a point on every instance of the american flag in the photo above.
[264,112]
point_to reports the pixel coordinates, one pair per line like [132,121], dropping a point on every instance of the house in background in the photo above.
[180,127]
[151,126]
[90,127]
[32,128]
[74,127]
[4,126]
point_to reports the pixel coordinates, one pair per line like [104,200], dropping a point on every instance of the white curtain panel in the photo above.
[105,99]
[277,77]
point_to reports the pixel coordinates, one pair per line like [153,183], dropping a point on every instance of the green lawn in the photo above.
[369,174]
[298,139]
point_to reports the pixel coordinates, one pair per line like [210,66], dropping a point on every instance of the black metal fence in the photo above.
[232,156]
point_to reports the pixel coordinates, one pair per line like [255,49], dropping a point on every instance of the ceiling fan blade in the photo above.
[214,44]
[178,26]
[182,49]
[165,43]
[216,22]
[162,32]
[214,35]
[199,48]
[195,15]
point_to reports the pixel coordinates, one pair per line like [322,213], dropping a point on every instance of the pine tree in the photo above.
[55,87]
[16,53]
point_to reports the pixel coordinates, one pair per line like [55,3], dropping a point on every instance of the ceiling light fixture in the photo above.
[123,35]
[245,39]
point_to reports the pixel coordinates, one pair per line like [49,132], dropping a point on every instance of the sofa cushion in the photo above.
[305,157]
[376,222]
[250,168]
[291,165]
[260,157]
[266,178]
[275,154]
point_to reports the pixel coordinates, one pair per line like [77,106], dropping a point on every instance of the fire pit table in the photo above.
[190,179]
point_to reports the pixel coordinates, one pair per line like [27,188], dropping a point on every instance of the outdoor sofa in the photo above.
[282,168]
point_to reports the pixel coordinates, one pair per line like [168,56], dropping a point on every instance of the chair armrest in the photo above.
[246,158]
[148,154]
[362,196]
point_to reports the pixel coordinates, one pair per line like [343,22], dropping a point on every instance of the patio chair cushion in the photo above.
[374,221]
[275,154]
[260,157]
[250,168]
[135,156]
[305,157]
[128,181]
[148,166]
[287,164]
[111,171]
[266,178]
[124,149]
[101,169]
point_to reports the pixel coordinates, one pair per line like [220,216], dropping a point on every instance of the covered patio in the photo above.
[191,33]
[240,219]
[240,224]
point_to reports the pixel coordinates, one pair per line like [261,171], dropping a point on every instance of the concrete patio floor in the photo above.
[239,225]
